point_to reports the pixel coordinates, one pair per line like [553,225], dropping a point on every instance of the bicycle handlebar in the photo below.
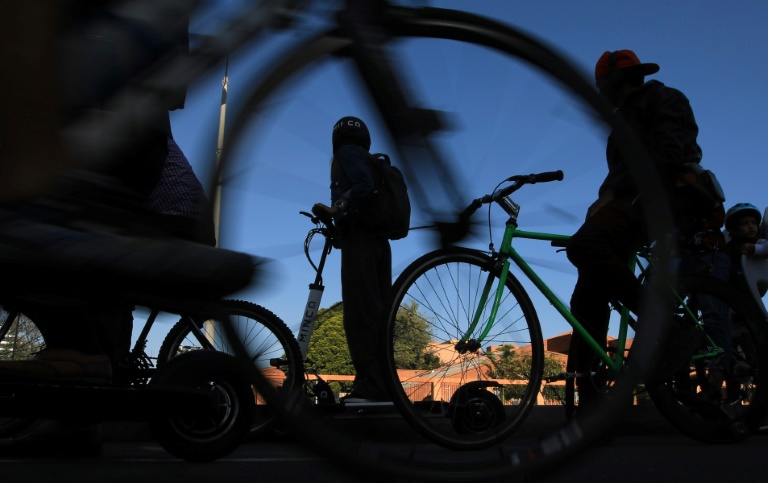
[519,181]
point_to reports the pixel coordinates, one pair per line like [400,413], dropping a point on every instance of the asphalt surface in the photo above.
[644,448]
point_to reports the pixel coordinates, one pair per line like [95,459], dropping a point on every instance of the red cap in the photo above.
[624,59]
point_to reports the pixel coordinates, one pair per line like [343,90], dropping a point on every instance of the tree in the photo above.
[329,353]
[328,350]
[411,336]
[510,363]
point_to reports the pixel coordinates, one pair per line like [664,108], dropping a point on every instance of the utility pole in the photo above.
[219,150]
[209,326]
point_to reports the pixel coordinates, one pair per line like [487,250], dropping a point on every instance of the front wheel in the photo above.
[711,399]
[463,371]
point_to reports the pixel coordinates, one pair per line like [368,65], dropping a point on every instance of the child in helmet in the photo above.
[743,232]
[742,221]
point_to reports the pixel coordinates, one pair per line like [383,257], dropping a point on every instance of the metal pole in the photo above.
[209,325]
[219,150]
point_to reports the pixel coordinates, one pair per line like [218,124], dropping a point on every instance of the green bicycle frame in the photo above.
[507,252]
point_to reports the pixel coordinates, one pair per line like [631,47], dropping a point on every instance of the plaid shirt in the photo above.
[178,192]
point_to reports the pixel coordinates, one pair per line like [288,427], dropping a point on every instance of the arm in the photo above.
[761,248]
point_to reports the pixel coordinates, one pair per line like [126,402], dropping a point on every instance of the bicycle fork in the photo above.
[466,344]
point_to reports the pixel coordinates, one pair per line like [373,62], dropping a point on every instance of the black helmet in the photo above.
[350,130]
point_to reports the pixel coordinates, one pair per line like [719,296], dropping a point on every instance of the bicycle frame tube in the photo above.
[142,339]
[508,252]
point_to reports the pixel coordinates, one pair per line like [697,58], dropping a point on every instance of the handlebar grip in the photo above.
[546,177]
[472,208]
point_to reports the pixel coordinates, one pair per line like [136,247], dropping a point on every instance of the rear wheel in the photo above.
[699,399]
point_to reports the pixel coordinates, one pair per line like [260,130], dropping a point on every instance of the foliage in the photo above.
[411,337]
[329,353]
[510,363]
[328,350]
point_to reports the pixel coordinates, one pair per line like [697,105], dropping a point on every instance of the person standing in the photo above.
[366,257]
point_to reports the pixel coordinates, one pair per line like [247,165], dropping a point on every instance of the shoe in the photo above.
[60,365]
[47,438]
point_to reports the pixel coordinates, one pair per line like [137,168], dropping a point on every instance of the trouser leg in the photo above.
[366,275]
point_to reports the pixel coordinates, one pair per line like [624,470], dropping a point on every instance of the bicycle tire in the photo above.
[498,376]
[530,457]
[741,411]
[272,347]
[214,434]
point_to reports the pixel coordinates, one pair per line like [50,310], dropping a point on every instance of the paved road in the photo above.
[646,450]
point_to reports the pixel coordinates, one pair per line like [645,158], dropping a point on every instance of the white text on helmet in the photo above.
[349,123]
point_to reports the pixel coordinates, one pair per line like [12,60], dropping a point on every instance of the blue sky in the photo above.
[508,120]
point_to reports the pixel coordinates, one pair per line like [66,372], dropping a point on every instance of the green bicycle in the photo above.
[466,358]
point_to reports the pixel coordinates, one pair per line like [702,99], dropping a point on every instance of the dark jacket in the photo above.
[351,180]
[663,120]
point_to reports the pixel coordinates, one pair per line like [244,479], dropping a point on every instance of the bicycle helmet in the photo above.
[737,211]
[350,130]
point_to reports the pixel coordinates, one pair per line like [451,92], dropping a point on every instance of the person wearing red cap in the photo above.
[663,120]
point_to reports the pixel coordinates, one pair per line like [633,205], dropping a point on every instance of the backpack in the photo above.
[699,212]
[706,183]
[390,212]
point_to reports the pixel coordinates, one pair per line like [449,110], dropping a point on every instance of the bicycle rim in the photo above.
[461,383]
[521,457]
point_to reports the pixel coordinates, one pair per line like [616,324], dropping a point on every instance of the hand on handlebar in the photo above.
[325,213]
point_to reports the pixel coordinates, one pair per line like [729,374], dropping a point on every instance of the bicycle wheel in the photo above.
[206,435]
[270,344]
[461,383]
[277,111]
[701,404]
